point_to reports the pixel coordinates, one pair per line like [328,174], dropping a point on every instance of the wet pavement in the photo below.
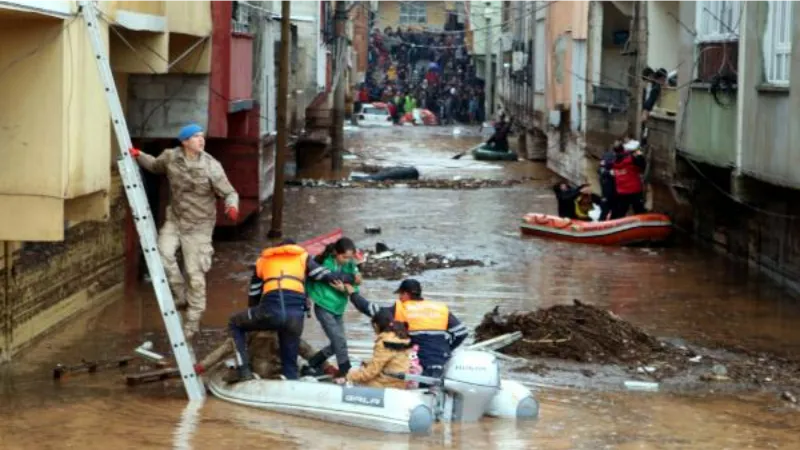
[679,293]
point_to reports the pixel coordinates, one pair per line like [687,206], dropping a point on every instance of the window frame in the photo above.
[773,48]
[413,10]
[710,21]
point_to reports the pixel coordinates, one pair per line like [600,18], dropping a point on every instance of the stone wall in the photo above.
[159,105]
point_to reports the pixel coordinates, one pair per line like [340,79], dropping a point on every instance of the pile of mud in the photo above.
[577,332]
[459,183]
[393,265]
[586,334]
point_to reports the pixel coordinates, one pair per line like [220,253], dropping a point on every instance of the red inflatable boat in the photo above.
[316,245]
[651,227]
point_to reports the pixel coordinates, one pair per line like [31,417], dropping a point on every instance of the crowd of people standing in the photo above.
[411,69]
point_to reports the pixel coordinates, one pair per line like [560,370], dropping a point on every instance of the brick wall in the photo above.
[159,105]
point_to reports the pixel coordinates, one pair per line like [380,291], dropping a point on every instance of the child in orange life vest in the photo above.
[391,355]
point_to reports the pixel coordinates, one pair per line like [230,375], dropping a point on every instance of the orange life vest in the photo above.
[422,315]
[283,268]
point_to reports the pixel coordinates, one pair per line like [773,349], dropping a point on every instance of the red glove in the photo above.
[330,370]
[135,152]
[232,213]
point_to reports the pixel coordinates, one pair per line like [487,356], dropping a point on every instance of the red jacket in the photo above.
[628,174]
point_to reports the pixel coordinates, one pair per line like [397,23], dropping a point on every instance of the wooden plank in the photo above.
[134,379]
[498,342]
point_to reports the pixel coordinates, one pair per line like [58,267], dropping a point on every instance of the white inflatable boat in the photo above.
[470,389]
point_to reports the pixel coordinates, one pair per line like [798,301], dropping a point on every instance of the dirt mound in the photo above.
[576,332]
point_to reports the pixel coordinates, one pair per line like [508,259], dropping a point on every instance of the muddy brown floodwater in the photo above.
[679,293]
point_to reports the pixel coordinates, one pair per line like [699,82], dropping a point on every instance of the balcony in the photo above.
[55,163]
[192,18]
[28,9]
[140,15]
[709,130]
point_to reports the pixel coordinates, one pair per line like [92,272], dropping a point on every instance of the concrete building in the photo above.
[722,160]
[737,154]
[432,15]
[485,34]
[174,62]
[524,77]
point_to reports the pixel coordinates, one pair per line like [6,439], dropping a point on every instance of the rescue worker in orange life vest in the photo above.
[431,325]
[277,301]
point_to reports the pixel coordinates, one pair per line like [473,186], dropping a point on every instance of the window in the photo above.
[240,17]
[778,42]
[540,55]
[413,13]
[505,10]
[517,20]
[718,21]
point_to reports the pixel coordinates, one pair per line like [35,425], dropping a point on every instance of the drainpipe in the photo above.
[740,97]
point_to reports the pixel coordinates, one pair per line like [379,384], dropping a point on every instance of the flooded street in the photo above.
[680,292]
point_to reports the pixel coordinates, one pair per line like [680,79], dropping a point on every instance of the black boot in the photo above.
[314,366]
[343,369]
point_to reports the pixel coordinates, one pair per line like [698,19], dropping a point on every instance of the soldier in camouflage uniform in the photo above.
[195,181]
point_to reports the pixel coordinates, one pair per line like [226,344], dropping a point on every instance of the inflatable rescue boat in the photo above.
[470,389]
[486,153]
[640,228]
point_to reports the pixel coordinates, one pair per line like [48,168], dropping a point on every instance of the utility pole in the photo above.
[532,93]
[339,66]
[639,29]
[487,14]
[282,127]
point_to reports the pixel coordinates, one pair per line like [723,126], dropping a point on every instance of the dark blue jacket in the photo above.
[435,347]
[285,300]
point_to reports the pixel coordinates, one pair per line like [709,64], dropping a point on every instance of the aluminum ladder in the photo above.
[145,226]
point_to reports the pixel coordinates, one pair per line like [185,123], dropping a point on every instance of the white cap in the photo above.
[631,145]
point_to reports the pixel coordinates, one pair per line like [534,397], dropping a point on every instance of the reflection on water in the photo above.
[670,292]
[184,432]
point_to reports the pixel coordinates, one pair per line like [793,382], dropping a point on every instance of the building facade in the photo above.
[66,219]
[721,157]
[421,15]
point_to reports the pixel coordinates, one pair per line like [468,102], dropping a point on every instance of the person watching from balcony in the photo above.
[652,93]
